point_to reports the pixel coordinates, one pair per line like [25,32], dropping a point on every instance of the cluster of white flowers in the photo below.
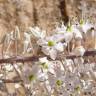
[66,78]
[59,41]
[61,77]
[63,35]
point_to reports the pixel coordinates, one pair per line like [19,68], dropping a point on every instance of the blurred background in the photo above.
[42,13]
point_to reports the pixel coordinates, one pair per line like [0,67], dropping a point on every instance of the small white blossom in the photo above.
[85,26]
[79,51]
[68,37]
[77,33]
[17,86]
[50,47]
[9,67]
[47,66]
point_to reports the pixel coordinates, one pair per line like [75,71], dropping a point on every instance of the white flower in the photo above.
[77,33]
[9,67]
[79,51]
[51,47]
[17,86]
[68,36]
[67,32]
[86,26]
[69,64]
[71,31]
[43,60]
[37,32]
[46,65]
[59,47]
[30,73]
[42,76]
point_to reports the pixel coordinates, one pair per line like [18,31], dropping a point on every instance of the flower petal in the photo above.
[59,46]
[41,42]
[79,51]
[53,53]
[43,60]
[45,50]
[68,37]
[86,27]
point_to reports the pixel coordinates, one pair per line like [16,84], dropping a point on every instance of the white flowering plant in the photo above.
[60,69]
